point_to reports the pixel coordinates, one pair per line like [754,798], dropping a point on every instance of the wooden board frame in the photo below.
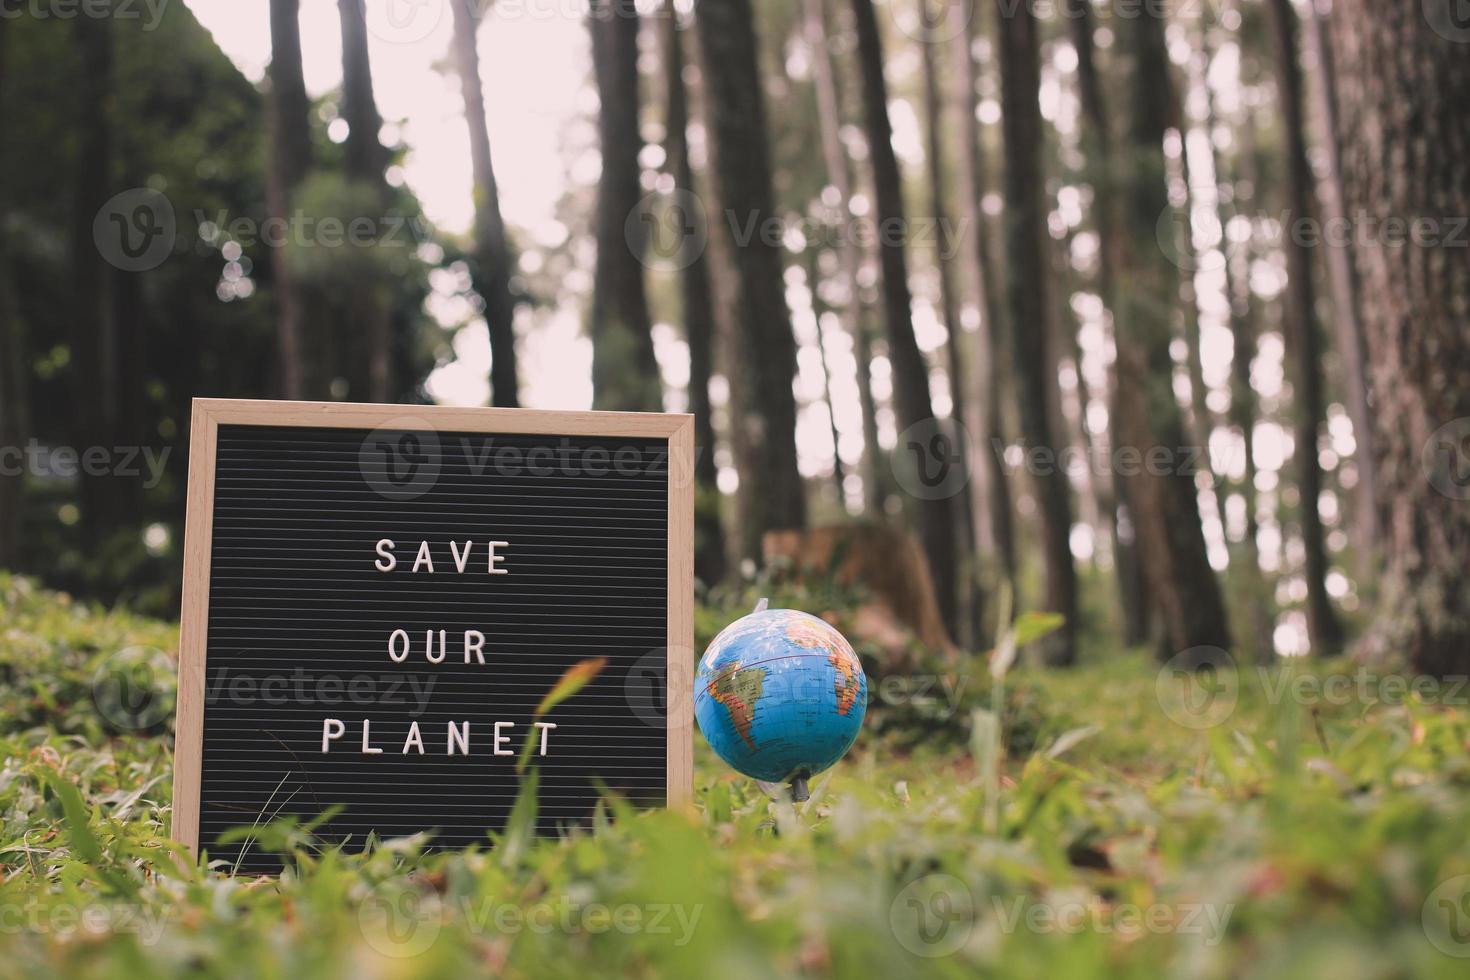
[210,413]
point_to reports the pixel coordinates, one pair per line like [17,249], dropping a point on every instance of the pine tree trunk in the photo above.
[819,312]
[625,374]
[1342,277]
[850,253]
[1098,146]
[492,264]
[92,340]
[1147,419]
[710,563]
[962,506]
[758,328]
[999,533]
[14,400]
[1027,278]
[13,406]
[287,112]
[365,158]
[1242,415]
[1303,346]
[937,530]
[1406,140]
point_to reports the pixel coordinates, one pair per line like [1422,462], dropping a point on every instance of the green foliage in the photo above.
[1295,838]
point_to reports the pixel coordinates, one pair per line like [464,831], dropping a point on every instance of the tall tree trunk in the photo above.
[997,530]
[365,159]
[492,265]
[13,408]
[758,328]
[850,253]
[819,310]
[1027,278]
[1147,420]
[1201,419]
[877,476]
[710,563]
[910,373]
[93,340]
[625,374]
[1402,96]
[1098,146]
[287,110]
[1304,349]
[14,400]
[962,505]
[1242,415]
[1342,277]
[364,154]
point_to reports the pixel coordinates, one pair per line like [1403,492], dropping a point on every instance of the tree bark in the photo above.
[365,158]
[93,339]
[1098,147]
[1027,276]
[625,374]
[1342,277]
[492,264]
[710,563]
[962,505]
[1402,96]
[763,430]
[365,155]
[910,372]
[287,109]
[850,252]
[1303,346]
[997,523]
[1147,419]
[819,310]
[14,400]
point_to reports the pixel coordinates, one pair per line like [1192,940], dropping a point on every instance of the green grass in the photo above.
[1291,838]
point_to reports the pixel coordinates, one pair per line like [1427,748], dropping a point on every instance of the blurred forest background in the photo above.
[1155,310]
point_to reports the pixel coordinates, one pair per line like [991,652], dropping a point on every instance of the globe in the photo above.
[780,696]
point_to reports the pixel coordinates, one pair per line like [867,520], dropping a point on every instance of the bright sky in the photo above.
[409,45]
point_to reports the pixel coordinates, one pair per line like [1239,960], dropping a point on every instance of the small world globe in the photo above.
[780,696]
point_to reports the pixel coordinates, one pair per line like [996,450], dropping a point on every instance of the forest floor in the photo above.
[1303,820]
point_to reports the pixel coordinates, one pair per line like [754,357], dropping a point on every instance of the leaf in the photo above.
[1070,740]
[1032,626]
[520,826]
[78,818]
[578,676]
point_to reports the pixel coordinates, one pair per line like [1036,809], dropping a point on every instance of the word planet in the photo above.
[780,695]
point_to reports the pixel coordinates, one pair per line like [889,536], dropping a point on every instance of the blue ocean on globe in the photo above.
[780,694]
